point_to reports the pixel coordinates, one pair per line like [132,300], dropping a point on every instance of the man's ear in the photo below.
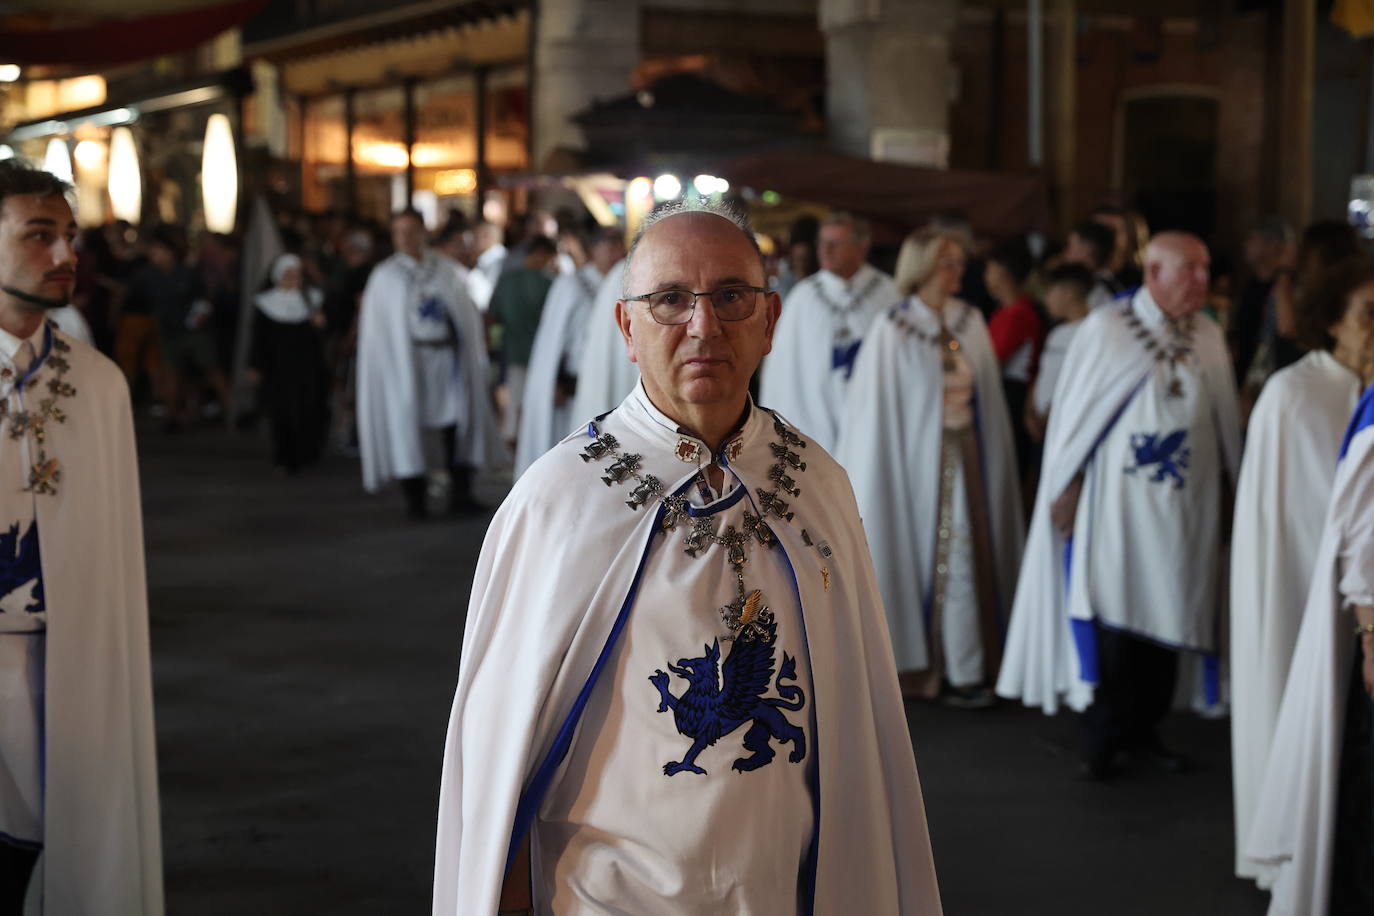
[622,321]
[773,303]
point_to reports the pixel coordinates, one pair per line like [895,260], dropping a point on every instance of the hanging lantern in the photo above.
[219,175]
[126,181]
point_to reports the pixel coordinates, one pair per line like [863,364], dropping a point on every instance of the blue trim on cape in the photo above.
[531,798]
[26,845]
[1362,420]
[1084,631]
[37,364]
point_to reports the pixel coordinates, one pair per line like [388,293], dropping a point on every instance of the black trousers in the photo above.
[16,867]
[1135,691]
[415,489]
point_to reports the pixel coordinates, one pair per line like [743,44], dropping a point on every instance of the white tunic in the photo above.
[557,587]
[1051,362]
[1294,827]
[1146,537]
[1285,486]
[616,834]
[817,339]
[890,443]
[557,345]
[99,799]
[605,374]
[481,280]
[422,364]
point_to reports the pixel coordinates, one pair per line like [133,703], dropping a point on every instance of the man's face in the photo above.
[705,361]
[839,252]
[408,236]
[36,246]
[1060,300]
[1179,279]
[605,254]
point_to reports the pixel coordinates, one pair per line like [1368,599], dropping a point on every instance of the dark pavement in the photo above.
[305,647]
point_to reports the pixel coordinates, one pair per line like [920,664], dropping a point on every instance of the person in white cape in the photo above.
[1285,486]
[550,385]
[677,694]
[928,443]
[604,375]
[1314,824]
[822,327]
[422,372]
[79,827]
[1121,569]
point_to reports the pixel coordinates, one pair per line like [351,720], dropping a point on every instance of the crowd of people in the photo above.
[1086,476]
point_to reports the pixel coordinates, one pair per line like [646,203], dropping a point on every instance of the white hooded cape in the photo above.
[890,444]
[556,580]
[102,849]
[806,375]
[562,328]
[390,418]
[1104,370]
[605,374]
[1295,821]
[1284,489]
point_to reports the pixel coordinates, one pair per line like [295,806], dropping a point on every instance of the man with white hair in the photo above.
[821,329]
[1122,564]
[677,694]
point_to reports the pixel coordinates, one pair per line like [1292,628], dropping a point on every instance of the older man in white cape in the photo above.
[422,371]
[1144,431]
[604,375]
[824,320]
[677,689]
[1294,836]
[546,415]
[79,831]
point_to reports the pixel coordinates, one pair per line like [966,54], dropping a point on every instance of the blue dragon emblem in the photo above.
[20,564]
[842,356]
[432,309]
[1165,454]
[716,704]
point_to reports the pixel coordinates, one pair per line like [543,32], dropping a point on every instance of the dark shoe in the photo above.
[416,492]
[973,697]
[1160,757]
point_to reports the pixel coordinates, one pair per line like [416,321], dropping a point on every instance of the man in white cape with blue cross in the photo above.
[677,693]
[1122,565]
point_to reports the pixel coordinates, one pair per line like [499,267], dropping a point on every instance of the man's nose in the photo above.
[704,322]
[63,252]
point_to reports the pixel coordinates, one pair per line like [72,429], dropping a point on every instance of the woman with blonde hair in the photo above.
[928,445]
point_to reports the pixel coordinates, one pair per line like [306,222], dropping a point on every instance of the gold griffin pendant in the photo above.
[45,476]
[745,616]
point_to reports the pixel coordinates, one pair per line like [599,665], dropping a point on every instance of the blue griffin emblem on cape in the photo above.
[716,704]
[1165,454]
[20,564]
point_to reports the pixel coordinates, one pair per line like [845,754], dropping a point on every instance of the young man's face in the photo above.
[37,253]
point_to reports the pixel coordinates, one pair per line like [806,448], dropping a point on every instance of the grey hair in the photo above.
[691,204]
[858,226]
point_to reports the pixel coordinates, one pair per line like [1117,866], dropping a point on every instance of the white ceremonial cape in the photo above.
[605,374]
[890,444]
[556,580]
[391,385]
[1106,369]
[557,343]
[102,848]
[1284,489]
[1295,820]
[71,322]
[823,323]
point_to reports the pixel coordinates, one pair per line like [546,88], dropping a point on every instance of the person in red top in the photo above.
[1017,331]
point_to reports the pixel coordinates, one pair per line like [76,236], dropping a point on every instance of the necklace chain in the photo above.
[746,617]
[840,312]
[45,473]
[936,339]
[1170,352]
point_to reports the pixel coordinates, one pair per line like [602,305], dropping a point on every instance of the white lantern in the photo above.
[126,180]
[219,175]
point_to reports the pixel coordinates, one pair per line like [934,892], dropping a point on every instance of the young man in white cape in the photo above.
[550,384]
[422,372]
[604,375]
[677,691]
[1122,562]
[1311,837]
[79,830]
[824,320]
[1291,450]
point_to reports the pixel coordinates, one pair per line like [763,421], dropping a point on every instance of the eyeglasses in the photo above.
[676,306]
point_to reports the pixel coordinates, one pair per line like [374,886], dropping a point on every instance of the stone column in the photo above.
[888,78]
[584,50]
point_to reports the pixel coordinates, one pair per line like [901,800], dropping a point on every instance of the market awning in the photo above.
[997,204]
[105,37]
